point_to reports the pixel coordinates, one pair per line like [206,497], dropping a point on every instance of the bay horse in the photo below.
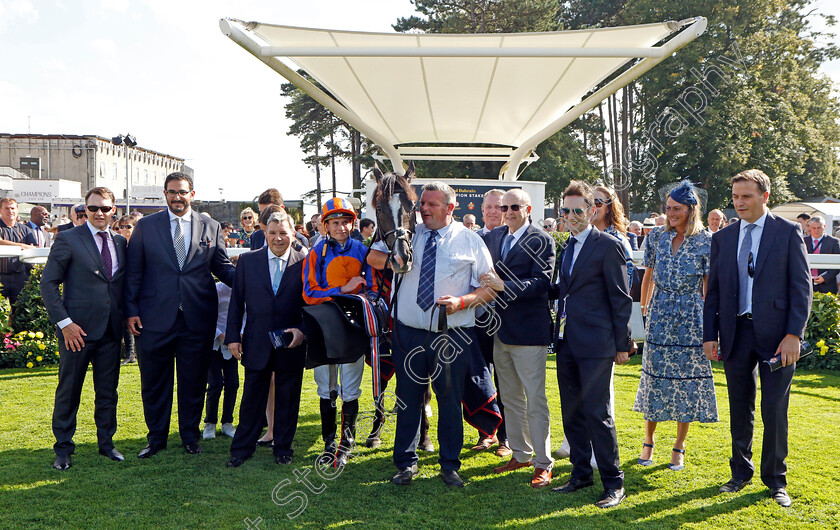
[395,202]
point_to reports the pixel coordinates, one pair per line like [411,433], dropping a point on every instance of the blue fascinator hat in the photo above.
[684,192]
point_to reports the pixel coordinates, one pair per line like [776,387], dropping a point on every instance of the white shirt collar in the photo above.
[581,236]
[520,230]
[186,218]
[284,257]
[94,230]
[441,231]
[759,223]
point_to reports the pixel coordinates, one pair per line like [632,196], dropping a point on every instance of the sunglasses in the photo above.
[576,211]
[103,209]
[515,207]
[248,217]
[599,202]
[81,214]
[182,193]
[126,227]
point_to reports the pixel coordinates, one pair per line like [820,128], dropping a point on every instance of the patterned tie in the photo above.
[106,255]
[743,273]
[816,244]
[567,258]
[426,288]
[180,252]
[506,247]
[275,278]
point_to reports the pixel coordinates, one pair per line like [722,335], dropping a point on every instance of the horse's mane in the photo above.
[385,188]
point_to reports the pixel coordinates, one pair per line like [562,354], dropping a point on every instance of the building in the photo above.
[89,160]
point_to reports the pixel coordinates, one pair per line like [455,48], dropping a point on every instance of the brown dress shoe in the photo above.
[503,449]
[485,443]
[513,465]
[541,479]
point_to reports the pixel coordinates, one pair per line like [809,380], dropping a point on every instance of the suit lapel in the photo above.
[294,257]
[166,237]
[197,231]
[768,237]
[90,245]
[585,251]
[119,244]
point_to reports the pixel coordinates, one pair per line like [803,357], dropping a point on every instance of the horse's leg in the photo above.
[425,442]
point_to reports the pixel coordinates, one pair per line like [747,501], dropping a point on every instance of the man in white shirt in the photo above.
[445,277]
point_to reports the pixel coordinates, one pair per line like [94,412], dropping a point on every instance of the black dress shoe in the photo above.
[113,454]
[148,451]
[236,461]
[611,498]
[573,485]
[734,485]
[451,478]
[283,460]
[780,495]
[192,448]
[62,462]
[403,478]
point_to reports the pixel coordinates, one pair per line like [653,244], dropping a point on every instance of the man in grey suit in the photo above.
[593,332]
[89,260]
[172,306]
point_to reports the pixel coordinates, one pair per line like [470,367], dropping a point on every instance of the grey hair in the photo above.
[280,217]
[494,191]
[444,187]
[817,219]
[635,223]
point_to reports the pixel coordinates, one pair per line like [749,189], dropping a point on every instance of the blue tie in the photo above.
[743,264]
[508,244]
[567,258]
[426,288]
[275,279]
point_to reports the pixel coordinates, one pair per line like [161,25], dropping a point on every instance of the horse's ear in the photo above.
[409,174]
[377,173]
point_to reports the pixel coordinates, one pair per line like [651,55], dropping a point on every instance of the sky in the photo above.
[163,72]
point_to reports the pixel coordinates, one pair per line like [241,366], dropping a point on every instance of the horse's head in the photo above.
[395,200]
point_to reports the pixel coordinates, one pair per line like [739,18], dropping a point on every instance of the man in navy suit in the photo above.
[757,304]
[269,282]
[825,281]
[593,333]
[89,261]
[523,257]
[171,305]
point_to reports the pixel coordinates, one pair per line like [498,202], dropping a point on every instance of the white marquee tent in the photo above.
[461,97]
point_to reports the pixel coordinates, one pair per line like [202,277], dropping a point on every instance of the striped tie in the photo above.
[180,252]
[426,288]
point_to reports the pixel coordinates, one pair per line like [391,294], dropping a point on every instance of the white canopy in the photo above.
[415,95]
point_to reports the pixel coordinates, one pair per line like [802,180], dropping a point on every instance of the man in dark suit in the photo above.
[757,304]
[171,305]
[38,216]
[270,197]
[825,281]
[89,261]
[593,332]
[77,217]
[269,282]
[523,257]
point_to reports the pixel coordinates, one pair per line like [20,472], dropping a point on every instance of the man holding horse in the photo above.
[434,337]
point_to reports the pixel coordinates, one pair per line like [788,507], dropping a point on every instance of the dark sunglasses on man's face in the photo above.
[567,211]
[182,193]
[81,214]
[514,207]
[103,209]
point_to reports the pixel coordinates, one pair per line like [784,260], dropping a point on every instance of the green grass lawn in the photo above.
[174,489]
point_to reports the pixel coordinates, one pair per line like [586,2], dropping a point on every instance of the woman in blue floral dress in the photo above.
[676,382]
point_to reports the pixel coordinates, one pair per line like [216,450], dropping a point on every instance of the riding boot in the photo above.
[349,411]
[327,430]
[373,439]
